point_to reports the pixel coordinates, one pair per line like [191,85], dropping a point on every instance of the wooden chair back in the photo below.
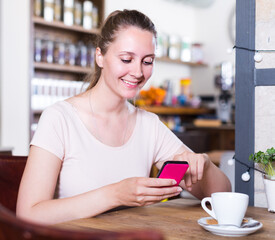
[11,170]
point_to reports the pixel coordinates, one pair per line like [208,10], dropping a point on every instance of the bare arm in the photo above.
[36,203]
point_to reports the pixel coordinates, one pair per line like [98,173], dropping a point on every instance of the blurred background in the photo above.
[46,49]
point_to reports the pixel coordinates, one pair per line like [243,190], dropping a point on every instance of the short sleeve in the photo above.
[167,143]
[49,134]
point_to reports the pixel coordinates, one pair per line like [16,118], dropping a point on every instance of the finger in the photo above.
[193,170]
[201,168]
[160,182]
[188,181]
[162,191]
[191,158]
[149,199]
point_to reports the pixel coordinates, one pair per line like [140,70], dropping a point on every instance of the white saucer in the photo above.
[228,231]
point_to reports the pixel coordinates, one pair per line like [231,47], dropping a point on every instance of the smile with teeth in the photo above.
[130,83]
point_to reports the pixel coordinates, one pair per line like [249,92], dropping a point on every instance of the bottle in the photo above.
[163,45]
[47,50]
[159,49]
[38,8]
[185,50]
[77,12]
[196,53]
[185,84]
[69,12]
[48,11]
[169,93]
[95,17]
[57,10]
[70,54]
[87,15]
[174,47]
[59,52]
[81,55]
[49,46]
[37,49]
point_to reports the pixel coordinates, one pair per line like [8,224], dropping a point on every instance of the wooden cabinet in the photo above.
[52,73]
[199,139]
[206,139]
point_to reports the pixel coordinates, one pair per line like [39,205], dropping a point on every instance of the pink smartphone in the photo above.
[173,170]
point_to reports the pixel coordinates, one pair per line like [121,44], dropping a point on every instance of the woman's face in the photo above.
[128,62]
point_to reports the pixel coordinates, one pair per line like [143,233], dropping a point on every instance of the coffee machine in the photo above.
[224,81]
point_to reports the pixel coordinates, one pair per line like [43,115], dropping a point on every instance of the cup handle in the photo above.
[205,208]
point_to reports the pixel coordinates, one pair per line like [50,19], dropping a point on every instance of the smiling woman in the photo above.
[126,67]
[96,149]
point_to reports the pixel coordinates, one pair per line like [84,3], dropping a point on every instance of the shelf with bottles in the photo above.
[63,40]
[173,48]
[76,15]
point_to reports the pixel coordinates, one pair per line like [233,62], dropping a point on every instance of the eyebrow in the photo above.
[132,53]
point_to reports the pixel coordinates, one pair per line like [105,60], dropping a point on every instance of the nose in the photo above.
[137,70]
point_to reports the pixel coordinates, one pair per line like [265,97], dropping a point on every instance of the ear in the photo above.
[99,57]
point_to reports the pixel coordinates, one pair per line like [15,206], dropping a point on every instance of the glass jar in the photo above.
[70,54]
[47,50]
[185,50]
[163,45]
[59,52]
[95,17]
[174,47]
[87,14]
[57,10]
[196,53]
[81,55]
[37,49]
[48,10]
[77,13]
[69,12]
[38,8]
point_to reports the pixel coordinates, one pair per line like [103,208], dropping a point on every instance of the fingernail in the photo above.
[174,182]
[179,189]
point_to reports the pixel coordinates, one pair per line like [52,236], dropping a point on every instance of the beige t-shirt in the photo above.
[88,163]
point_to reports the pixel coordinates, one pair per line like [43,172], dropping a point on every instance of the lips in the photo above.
[130,83]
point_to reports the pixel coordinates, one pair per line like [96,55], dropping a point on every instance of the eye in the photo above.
[148,61]
[126,60]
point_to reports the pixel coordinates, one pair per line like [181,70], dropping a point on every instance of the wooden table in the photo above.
[176,219]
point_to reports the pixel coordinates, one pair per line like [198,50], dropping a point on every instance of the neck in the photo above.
[108,113]
[106,103]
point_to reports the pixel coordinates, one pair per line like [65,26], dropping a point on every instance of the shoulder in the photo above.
[58,107]
[148,119]
[147,115]
[58,110]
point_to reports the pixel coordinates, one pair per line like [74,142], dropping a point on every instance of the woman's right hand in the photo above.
[141,191]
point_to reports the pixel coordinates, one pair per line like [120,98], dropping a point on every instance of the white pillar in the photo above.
[14,74]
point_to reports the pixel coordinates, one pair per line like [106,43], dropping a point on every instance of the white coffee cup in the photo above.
[227,207]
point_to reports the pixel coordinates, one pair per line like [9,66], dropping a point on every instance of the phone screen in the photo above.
[173,170]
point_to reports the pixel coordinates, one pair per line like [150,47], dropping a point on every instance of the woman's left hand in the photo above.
[198,164]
